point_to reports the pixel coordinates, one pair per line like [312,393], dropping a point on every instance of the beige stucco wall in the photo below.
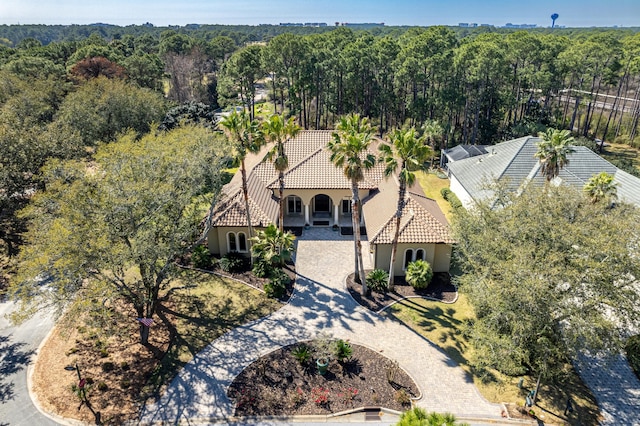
[336,195]
[438,255]
[217,239]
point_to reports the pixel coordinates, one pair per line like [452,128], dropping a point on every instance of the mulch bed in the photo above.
[277,384]
[439,289]
[249,278]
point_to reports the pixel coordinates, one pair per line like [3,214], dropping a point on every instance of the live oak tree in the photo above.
[101,108]
[111,230]
[549,274]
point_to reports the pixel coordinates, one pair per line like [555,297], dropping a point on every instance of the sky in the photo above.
[573,13]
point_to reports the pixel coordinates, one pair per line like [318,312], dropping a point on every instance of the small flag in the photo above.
[145,321]
[81,383]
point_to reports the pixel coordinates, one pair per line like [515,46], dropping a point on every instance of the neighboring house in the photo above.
[460,152]
[318,194]
[513,162]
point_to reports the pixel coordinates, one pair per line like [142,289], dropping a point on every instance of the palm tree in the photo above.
[601,187]
[246,137]
[273,246]
[349,151]
[406,154]
[553,151]
[419,417]
[432,132]
[277,129]
[553,19]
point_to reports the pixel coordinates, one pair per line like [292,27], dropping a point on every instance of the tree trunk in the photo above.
[394,244]
[355,214]
[245,194]
[281,201]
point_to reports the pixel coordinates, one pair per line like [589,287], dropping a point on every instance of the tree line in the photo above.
[482,86]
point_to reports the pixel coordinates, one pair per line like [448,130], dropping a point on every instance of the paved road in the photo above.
[320,303]
[17,352]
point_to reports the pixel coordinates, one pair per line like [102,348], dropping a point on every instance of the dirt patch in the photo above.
[277,384]
[439,289]
[115,368]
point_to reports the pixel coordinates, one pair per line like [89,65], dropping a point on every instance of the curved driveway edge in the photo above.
[320,303]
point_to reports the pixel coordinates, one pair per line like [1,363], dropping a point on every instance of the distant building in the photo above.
[300,24]
[468,25]
[359,26]
[519,26]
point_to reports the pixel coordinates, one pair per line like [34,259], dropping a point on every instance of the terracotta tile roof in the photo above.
[310,166]
[422,221]
[230,211]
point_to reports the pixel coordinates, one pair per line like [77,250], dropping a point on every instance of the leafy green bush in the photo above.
[277,284]
[302,353]
[633,353]
[262,268]
[378,280]
[419,417]
[451,198]
[201,257]
[419,274]
[233,262]
[342,350]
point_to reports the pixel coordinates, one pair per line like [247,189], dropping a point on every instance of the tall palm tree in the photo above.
[553,151]
[601,187]
[277,129]
[433,132]
[246,136]
[405,154]
[349,150]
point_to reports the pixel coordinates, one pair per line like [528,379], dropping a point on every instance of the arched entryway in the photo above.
[321,209]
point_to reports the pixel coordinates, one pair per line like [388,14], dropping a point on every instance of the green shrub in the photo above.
[201,257]
[233,262]
[633,353]
[302,353]
[378,280]
[108,366]
[277,284]
[102,386]
[124,365]
[262,268]
[342,350]
[419,274]
[125,383]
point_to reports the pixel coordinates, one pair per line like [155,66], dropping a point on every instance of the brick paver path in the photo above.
[320,303]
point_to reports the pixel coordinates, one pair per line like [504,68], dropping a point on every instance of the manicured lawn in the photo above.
[204,307]
[431,185]
[445,325]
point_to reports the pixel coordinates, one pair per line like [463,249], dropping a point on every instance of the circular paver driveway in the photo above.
[320,303]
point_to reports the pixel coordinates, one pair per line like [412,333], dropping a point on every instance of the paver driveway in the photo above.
[320,303]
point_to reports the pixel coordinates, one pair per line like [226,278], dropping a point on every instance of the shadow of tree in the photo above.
[14,359]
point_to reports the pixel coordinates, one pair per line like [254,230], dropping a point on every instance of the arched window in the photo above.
[231,242]
[237,242]
[419,254]
[408,258]
[242,242]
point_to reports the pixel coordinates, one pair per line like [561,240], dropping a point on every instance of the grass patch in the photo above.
[622,152]
[431,185]
[444,325]
[200,313]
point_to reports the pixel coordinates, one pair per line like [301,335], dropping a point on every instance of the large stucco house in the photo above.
[317,194]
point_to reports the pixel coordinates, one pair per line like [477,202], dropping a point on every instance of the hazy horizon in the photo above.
[573,13]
